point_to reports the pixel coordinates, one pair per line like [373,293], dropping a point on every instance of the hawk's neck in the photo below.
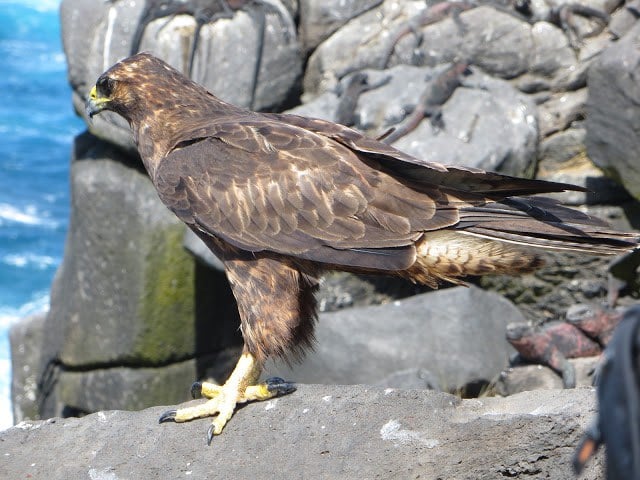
[157,132]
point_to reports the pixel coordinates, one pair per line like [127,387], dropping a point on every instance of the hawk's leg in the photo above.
[241,387]
[277,315]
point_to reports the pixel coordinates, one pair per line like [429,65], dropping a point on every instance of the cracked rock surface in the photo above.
[319,431]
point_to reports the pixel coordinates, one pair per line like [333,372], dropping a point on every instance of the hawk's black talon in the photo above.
[210,434]
[280,386]
[196,389]
[168,416]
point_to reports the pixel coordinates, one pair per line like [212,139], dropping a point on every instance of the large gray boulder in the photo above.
[318,20]
[126,388]
[95,35]
[563,158]
[457,334]
[525,378]
[28,343]
[612,111]
[319,432]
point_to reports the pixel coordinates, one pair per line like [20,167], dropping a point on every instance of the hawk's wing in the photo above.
[489,185]
[261,184]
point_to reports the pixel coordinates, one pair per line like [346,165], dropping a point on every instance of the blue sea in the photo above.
[37,126]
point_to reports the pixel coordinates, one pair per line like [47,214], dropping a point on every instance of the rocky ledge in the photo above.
[319,431]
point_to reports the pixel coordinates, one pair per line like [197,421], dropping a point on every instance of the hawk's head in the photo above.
[138,85]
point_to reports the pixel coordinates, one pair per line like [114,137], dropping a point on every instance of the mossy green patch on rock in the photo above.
[125,293]
[166,307]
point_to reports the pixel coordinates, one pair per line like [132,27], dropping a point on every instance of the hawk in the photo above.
[282,198]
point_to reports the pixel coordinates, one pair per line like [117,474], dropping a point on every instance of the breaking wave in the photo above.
[32,260]
[8,316]
[29,215]
[37,5]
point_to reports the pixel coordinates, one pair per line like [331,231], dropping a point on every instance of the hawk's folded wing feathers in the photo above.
[270,186]
[480,183]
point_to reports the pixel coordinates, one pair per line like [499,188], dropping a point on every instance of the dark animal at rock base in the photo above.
[552,345]
[597,323]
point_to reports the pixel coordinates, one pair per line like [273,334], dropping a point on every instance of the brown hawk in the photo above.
[281,198]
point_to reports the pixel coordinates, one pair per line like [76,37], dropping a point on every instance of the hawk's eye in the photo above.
[105,86]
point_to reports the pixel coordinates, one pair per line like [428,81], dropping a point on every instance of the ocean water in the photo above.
[37,126]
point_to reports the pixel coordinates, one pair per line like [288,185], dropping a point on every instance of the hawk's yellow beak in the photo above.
[94,103]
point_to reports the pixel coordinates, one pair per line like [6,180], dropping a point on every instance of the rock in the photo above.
[565,279]
[79,19]
[320,431]
[358,45]
[530,83]
[127,273]
[624,19]
[621,217]
[551,55]
[499,43]
[27,338]
[561,110]
[323,106]
[125,388]
[526,378]
[340,290]
[95,35]
[623,275]
[293,6]
[590,49]
[563,158]
[561,147]
[456,333]
[612,114]
[411,379]
[574,75]
[229,52]
[318,20]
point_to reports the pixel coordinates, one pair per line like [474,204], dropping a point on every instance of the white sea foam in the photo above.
[9,315]
[38,5]
[28,215]
[32,260]
[6,414]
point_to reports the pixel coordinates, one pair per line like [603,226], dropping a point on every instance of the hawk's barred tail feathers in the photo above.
[504,237]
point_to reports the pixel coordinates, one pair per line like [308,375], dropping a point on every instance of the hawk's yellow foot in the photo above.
[239,388]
